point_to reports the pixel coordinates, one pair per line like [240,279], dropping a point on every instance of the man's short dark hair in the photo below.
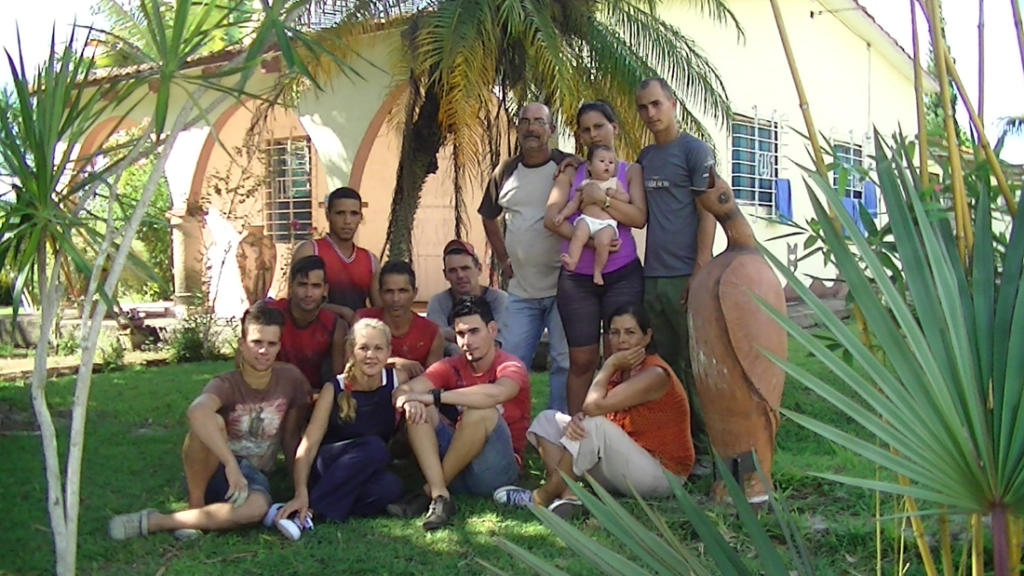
[662,83]
[344,193]
[262,314]
[303,266]
[397,268]
[471,306]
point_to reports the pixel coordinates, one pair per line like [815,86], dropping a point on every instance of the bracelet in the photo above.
[436,393]
[607,201]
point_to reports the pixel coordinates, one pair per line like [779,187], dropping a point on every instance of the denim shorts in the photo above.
[495,466]
[217,487]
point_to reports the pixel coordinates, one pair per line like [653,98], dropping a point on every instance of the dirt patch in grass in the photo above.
[19,369]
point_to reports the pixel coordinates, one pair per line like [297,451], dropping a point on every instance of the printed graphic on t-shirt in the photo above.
[655,182]
[252,428]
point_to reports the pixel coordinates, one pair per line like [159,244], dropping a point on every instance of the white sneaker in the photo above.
[293,527]
[268,518]
[289,528]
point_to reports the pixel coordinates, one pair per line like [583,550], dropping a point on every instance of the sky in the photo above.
[1004,77]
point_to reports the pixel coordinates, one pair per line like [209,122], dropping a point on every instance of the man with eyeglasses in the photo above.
[517,193]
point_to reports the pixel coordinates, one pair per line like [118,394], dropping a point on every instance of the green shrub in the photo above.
[200,336]
[110,353]
[67,344]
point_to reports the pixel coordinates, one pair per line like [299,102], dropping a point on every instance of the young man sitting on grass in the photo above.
[236,427]
[482,449]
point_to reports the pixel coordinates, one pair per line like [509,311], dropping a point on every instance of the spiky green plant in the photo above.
[946,397]
[655,548]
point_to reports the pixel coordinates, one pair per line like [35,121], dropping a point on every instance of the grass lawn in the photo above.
[136,424]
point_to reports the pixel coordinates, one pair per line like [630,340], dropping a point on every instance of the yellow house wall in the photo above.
[337,121]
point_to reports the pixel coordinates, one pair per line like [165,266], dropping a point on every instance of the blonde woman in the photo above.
[341,464]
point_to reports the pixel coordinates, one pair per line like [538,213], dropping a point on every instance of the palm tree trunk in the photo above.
[49,302]
[420,144]
[1000,548]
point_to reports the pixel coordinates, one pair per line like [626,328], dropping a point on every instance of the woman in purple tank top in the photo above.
[582,304]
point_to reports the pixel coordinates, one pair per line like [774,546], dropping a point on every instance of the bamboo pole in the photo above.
[1015,543]
[812,134]
[1019,26]
[977,546]
[922,123]
[919,536]
[979,128]
[981,59]
[945,544]
[964,240]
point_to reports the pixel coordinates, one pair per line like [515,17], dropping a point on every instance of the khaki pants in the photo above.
[607,453]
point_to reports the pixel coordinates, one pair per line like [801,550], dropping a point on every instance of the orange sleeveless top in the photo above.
[662,426]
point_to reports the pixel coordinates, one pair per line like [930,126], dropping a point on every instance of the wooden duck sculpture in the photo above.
[739,388]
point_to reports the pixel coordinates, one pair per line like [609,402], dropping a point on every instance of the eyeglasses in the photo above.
[527,122]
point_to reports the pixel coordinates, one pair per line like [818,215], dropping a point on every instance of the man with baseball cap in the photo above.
[462,269]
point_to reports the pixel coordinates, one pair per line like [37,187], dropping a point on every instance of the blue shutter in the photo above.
[871,198]
[783,200]
[853,209]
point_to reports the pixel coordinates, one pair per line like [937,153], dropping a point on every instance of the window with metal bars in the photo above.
[852,156]
[755,161]
[288,206]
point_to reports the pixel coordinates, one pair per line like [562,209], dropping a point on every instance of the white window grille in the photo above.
[755,161]
[288,207]
[851,156]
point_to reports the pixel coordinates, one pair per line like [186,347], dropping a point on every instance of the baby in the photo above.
[594,222]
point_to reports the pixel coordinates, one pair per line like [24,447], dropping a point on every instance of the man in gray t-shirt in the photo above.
[462,270]
[516,199]
[679,237]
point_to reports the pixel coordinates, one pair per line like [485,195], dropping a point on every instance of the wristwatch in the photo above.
[607,201]
[436,393]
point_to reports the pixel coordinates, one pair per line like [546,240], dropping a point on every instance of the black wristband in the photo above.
[436,393]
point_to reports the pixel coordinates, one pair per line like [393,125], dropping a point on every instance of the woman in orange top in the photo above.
[635,422]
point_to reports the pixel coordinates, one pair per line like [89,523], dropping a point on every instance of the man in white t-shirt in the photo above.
[517,194]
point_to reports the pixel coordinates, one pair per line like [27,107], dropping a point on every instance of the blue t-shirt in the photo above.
[670,171]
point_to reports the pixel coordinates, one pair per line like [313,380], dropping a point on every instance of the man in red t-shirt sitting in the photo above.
[313,338]
[415,341]
[484,447]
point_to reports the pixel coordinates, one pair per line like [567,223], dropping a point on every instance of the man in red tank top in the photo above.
[416,342]
[350,270]
[313,339]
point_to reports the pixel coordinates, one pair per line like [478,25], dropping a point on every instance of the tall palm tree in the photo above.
[471,63]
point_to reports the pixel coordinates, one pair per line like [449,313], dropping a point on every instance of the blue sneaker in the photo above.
[513,496]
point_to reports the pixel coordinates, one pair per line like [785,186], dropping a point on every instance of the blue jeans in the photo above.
[493,467]
[217,486]
[522,326]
